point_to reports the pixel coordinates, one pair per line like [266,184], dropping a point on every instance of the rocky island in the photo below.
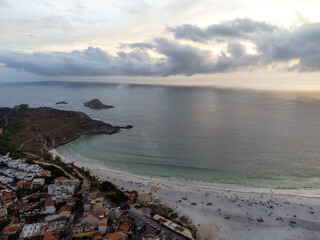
[41,129]
[97,104]
[61,102]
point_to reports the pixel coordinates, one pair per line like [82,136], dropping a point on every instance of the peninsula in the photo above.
[40,129]
[97,104]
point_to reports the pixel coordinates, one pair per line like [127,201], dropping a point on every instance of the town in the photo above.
[44,201]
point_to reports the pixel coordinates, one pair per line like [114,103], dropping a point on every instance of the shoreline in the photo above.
[303,192]
[225,212]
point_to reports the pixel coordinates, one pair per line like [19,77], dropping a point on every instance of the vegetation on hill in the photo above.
[39,129]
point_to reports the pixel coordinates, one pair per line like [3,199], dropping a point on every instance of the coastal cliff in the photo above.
[41,129]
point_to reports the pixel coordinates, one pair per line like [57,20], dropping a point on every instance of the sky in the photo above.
[249,43]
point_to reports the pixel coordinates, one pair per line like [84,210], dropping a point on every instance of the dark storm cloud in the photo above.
[273,45]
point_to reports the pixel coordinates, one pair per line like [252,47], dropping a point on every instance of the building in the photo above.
[60,192]
[50,235]
[114,213]
[13,227]
[3,212]
[123,224]
[49,206]
[39,229]
[64,213]
[71,201]
[45,173]
[102,227]
[23,184]
[90,218]
[173,226]
[94,235]
[6,197]
[77,229]
[37,183]
[114,236]
[67,182]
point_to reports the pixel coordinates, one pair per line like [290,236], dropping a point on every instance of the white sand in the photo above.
[234,211]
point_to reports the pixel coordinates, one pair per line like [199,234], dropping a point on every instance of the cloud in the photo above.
[90,62]
[295,49]
[273,44]
[140,45]
[240,28]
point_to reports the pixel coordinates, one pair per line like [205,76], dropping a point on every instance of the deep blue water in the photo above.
[253,138]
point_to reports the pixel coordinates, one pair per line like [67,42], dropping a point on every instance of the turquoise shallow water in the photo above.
[250,138]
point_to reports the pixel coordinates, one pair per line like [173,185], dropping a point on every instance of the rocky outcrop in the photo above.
[62,102]
[97,104]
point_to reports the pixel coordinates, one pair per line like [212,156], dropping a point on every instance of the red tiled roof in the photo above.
[162,220]
[179,228]
[61,178]
[92,196]
[71,199]
[45,172]
[49,202]
[113,236]
[21,181]
[65,208]
[126,225]
[49,236]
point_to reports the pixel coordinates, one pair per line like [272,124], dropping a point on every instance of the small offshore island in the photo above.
[61,102]
[97,104]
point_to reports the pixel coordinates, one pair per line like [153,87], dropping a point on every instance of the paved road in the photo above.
[57,166]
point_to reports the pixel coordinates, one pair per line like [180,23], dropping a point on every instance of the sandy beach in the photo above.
[231,212]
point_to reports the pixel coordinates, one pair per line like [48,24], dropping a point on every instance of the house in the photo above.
[123,225]
[5,197]
[115,213]
[3,212]
[50,235]
[71,201]
[37,230]
[114,236]
[173,226]
[90,218]
[23,184]
[37,183]
[60,192]
[13,227]
[45,173]
[78,228]
[67,182]
[26,208]
[102,227]
[49,206]
[94,235]
[65,211]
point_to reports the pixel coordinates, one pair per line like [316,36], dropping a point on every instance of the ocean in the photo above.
[263,139]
